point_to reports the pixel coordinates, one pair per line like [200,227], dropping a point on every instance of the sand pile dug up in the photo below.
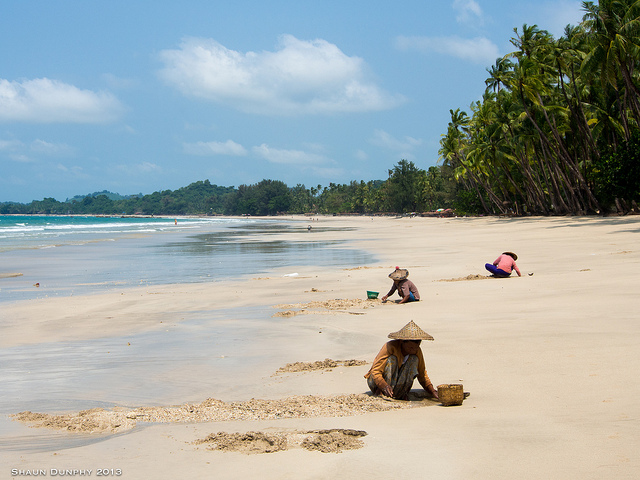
[99,420]
[10,275]
[326,441]
[326,364]
[464,279]
[325,306]
[96,420]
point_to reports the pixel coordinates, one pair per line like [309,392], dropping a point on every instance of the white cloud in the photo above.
[404,148]
[10,145]
[361,155]
[140,168]
[550,15]
[20,152]
[555,16]
[300,77]
[468,11]
[52,149]
[476,50]
[49,101]
[75,171]
[385,140]
[290,157]
[21,158]
[214,148]
[148,167]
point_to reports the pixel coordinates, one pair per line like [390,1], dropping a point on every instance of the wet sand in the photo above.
[549,360]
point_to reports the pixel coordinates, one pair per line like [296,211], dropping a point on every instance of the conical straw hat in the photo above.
[399,274]
[511,254]
[410,331]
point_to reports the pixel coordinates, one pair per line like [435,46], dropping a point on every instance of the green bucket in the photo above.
[372,295]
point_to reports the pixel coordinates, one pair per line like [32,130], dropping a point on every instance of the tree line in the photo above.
[408,189]
[557,130]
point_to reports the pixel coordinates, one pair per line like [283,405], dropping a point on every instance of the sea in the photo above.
[65,255]
[58,256]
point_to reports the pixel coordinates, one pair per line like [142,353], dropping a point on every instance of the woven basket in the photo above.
[451,394]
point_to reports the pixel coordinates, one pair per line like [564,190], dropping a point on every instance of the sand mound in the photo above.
[96,420]
[250,442]
[468,277]
[325,441]
[365,268]
[334,441]
[322,306]
[99,420]
[287,313]
[325,364]
[10,275]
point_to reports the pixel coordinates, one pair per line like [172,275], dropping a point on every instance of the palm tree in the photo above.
[498,74]
[615,27]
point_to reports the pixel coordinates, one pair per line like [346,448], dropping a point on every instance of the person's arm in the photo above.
[377,370]
[393,289]
[423,377]
[432,391]
[515,267]
[428,386]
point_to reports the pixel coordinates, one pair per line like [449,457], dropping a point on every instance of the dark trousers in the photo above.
[400,379]
[496,271]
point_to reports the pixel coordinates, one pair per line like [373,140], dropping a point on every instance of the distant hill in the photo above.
[109,195]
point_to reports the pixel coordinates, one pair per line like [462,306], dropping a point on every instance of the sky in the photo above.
[139,96]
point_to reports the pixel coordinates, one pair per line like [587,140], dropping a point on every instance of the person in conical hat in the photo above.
[503,265]
[398,364]
[406,288]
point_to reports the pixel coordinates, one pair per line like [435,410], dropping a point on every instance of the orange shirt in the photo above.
[394,347]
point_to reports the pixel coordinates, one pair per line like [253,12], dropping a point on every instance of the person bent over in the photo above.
[503,265]
[406,288]
[398,364]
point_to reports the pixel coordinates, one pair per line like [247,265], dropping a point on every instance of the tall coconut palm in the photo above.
[614,26]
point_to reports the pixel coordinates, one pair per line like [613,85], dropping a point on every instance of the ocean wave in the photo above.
[20,232]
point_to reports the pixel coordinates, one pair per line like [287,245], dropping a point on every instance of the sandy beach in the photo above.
[548,358]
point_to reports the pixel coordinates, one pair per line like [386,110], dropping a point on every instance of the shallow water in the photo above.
[174,364]
[222,355]
[218,354]
[198,253]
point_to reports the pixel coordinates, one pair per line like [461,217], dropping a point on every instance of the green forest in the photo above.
[557,132]
[408,189]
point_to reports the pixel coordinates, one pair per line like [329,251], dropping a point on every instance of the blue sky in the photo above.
[137,96]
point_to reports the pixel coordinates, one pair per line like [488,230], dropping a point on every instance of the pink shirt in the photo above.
[506,263]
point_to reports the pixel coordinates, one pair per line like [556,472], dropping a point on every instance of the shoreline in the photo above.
[193,251]
[542,355]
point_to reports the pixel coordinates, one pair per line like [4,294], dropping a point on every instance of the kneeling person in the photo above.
[399,362]
[406,288]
